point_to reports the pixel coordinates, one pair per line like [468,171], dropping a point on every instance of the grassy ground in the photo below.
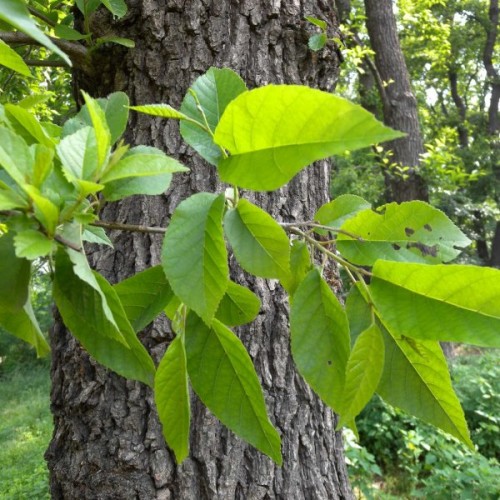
[25,430]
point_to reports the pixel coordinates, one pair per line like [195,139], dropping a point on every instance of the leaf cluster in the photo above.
[384,340]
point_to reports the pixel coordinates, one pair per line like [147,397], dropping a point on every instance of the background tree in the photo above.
[107,440]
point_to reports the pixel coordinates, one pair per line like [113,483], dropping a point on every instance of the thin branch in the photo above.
[76,52]
[312,224]
[41,16]
[41,62]
[129,227]
[67,243]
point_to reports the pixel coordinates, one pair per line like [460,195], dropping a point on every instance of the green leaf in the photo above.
[46,212]
[15,13]
[344,207]
[317,42]
[223,376]
[259,243]
[172,399]
[115,108]
[358,312]
[97,235]
[162,110]
[144,296]
[32,244]
[10,200]
[78,154]
[12,60]
[273,132]
[23,324]
[142,161]
[15,273]
[15,156]
[152,185]
[300,265]
[67,33]
[411,232]
[416,379]
[320,338]
[238,306]
[317,22]
[117,7]
[29,123]
[102,133]
[87,7]
[214,91]
[363,372]
[453,303]
[113,344]
[125,42]
[194,254]
[44,157]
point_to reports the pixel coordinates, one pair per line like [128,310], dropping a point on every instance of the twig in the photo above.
[41,16]
[315,225]
[129,227]
[41,62]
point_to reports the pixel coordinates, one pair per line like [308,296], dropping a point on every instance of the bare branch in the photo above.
[41,62]
[129,227]
[76,52]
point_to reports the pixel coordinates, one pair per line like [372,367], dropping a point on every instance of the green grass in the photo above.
[25,431]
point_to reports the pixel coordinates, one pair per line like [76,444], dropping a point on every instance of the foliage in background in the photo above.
[444,44]
[25,424]
[403,457]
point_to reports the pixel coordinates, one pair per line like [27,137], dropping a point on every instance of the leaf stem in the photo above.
[344,263]
[315,225]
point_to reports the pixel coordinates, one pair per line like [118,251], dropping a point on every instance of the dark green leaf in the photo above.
[363,372]
[258,241]
[223,376]
[115,108]
[152,185]
[320,338]
[300,265]
[172,399]
[15,276]
[113,344]
[214,91]
[416,379]
[67,33]
[194,254]
[117,7]
[23,324]
[238,306]
[144,296]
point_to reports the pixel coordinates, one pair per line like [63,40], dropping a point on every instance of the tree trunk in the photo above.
[399,103]
[107,441]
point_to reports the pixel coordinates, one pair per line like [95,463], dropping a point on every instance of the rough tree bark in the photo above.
[399,103]
[107,441]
